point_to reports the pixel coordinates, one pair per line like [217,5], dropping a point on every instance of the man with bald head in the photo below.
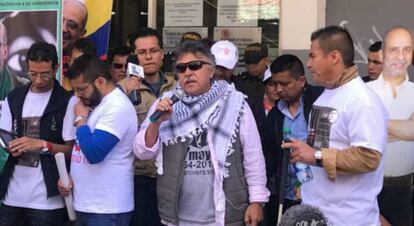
[8,81]
[396,92]
[75,16]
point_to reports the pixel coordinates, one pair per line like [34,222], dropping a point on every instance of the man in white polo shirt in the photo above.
[396,92]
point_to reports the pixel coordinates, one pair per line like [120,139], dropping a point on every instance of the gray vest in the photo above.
[168,184]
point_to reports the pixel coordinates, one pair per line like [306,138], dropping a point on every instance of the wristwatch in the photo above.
[318,157]
[47,147]
[78,118]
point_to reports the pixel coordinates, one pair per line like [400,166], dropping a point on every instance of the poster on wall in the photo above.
[237,13]
[171,36]
[54,21]
[240,36]
[22,23]
[78,22]
[180,13]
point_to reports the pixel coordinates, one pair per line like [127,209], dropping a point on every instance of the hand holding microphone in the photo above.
[134,73]
[165,106]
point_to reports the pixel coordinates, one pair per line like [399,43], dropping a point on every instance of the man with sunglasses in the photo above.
[102,158]
[41,115]
[148,48]
[75,17]
[212,170]
[118,61]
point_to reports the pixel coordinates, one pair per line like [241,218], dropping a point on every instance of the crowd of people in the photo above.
[214,156]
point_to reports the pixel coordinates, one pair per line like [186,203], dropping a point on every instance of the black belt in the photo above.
[399,181]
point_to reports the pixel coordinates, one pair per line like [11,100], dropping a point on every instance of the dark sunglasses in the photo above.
[71,24]
[192,65]
[119,66]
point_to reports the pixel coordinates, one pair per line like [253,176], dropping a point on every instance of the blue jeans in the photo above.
[19,216]
[100,219]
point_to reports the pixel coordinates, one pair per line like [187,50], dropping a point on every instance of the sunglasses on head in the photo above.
[119,66]
[192,65]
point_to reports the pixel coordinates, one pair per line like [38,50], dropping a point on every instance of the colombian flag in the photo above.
[99,24]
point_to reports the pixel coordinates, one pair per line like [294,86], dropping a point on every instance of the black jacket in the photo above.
[275,119]
[253,88]
[51,125]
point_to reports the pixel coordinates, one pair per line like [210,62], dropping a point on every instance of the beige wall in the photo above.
[298,19]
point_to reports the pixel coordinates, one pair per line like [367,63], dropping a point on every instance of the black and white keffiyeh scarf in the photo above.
[218,111]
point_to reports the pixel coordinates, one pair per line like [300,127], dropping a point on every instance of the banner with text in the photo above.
[179,13]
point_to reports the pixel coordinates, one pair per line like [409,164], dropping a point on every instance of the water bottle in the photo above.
[303,171]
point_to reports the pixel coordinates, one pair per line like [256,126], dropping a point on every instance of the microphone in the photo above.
[134,70]
[303,215]
[179,93]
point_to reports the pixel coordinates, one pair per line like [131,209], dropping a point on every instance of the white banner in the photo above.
[171,36]
[237,13]
[179,13]
[240,36]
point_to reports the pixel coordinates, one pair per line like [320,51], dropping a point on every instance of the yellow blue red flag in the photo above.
[99,24]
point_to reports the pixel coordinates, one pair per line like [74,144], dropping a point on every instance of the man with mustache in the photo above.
[75,17]
[396,92]
[347,131]
[212,171]
[102,159]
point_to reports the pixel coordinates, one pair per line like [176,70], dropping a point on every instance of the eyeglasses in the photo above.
[42,75]
[119,66]
[192,65]
[71,24]
[144,52]
[81,90]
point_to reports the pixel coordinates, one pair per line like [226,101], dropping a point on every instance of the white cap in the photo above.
[226,54]
[267,74]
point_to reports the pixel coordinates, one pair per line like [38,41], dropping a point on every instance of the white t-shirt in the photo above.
[107,187]
[350,115]
[27,187]
[399,160]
